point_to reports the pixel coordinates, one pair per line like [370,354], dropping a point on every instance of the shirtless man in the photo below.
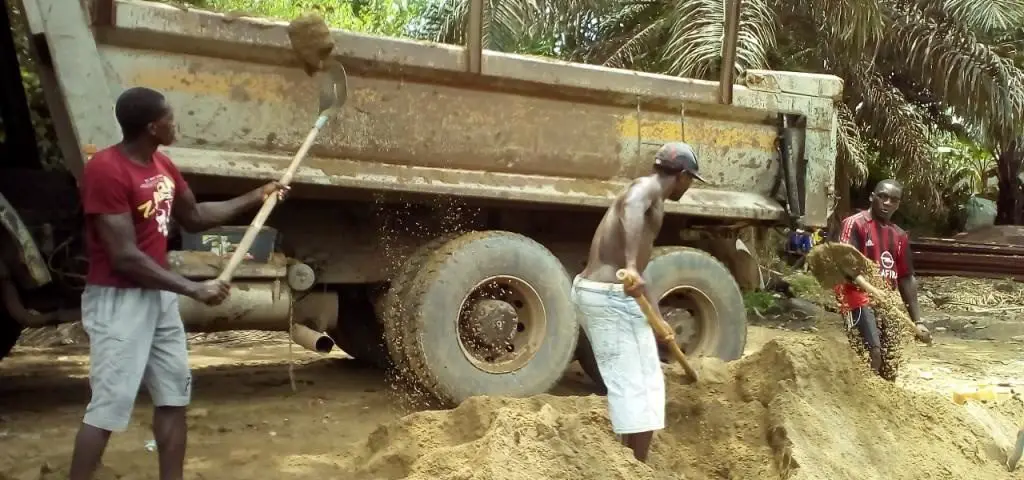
[623,343]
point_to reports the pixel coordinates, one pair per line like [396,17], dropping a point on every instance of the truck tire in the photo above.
[393,308]
[699,299]
[358,333]
[489,313]
[10,330]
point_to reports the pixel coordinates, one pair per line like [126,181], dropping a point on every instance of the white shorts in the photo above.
[626,353]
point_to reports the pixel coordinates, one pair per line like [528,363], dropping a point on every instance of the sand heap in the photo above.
[798,409]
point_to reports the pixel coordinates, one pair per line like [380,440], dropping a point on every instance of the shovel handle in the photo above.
[872,290]
[658,324]
[269,204]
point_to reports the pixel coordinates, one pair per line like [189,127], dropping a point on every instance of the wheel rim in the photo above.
[693,317]
[501,324]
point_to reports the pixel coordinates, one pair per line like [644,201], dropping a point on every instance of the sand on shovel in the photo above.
[798,409]
[311,39]
[832,264]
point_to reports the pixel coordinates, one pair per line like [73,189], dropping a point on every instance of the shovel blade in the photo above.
[333,86]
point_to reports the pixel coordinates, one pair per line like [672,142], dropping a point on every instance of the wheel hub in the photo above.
[683,324]
[692,317]
[492,325]
[501,324]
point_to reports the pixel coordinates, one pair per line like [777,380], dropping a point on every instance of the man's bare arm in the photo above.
[633,217]
[908,292]
[118,236]
[196,217]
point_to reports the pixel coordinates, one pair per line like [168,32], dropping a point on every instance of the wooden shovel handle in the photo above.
[661,328]
[877,294]
[269,204]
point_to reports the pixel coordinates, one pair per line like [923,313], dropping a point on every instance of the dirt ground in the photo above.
[797,406]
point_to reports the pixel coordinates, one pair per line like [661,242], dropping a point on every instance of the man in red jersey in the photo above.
[129,193]
[874,235]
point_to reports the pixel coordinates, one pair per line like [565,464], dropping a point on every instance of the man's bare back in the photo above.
[643,199]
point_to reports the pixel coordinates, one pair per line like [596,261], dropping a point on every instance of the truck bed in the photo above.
[525,129]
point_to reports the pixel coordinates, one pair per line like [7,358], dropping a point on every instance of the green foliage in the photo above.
[42,123]
[969,166]
[759,302]
[803,285]
[910,66]
[958,169]
[379,17]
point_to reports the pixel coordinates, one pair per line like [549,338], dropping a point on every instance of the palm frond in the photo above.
[639,46]
[504,22]
[854,26]
[851,148]
[631,36]
[978,15]
[965,74]
[898,130]
[694,44]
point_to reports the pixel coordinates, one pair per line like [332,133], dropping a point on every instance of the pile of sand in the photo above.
[799,408]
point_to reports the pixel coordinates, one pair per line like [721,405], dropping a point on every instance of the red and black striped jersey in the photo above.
[884,243]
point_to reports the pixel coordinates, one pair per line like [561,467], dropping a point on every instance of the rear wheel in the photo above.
[698,298]
[358,333]
[489,314]
[393,307]
[9,332]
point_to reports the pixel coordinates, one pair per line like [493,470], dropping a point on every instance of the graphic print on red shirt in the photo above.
[112,184]
[883,243]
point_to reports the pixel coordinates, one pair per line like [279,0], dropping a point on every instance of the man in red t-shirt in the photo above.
[130,192]
[873,234]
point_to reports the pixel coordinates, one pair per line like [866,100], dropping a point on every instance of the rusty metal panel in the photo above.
[251,306]
[525,128]
[194,265]
[245,107]
[72,78]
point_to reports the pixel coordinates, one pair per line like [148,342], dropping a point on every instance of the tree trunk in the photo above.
[1010,203]
[842,186]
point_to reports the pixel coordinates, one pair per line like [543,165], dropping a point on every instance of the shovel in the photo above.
[834,263]
[333,93]
[658,324]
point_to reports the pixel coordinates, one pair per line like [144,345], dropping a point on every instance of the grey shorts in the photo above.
[135,337]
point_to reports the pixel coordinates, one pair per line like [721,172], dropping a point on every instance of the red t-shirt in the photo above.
[884,243]
[112,184]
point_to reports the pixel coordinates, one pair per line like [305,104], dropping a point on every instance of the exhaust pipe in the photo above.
[311,339]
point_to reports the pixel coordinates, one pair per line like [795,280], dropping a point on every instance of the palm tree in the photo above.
[560,28]
[909,65]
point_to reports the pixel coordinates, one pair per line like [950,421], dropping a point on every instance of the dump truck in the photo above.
[438,222]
